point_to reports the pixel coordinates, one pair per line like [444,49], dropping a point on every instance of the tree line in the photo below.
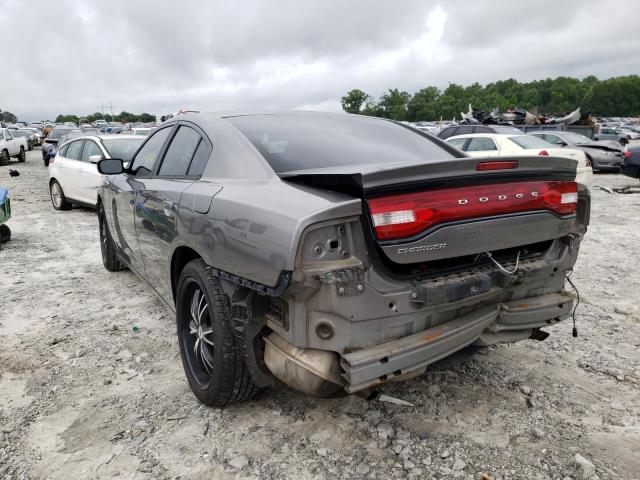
[614,97]
[123,117]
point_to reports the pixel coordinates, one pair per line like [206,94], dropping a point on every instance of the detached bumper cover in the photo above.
[370,366]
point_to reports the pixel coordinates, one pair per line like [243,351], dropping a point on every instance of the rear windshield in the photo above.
[529,141]
[56,133]
[506,130]
[292,142]
[122,148]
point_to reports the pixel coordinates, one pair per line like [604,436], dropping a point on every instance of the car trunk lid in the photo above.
[419,213]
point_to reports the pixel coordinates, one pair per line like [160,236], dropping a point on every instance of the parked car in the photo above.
[369,251]
[604,154]
[610,133]
[12,146]
[629,133]
[89,130]
[465,129]
[35,133]
[27,135]
[631,164]
[53,151]
[5,215]
[52,140]
[498,145]
[73,176]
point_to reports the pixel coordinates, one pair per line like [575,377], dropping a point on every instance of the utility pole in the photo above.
[111,108]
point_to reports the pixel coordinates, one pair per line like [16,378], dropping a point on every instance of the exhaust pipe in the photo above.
[308,370]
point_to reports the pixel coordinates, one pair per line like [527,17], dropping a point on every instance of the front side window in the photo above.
[74,150]
[90,148]
[178,157]
[7,135]
[146,158]
[481,145]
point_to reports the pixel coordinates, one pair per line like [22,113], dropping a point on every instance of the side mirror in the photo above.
[110,166]
[562,143]
[95,158]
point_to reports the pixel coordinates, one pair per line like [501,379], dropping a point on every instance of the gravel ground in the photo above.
[84,394]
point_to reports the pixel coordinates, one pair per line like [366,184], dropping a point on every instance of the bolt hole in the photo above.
[392,305]
[397,372]
[555,269]
[384,360]
[334,244]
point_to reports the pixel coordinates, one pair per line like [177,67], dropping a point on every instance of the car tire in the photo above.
[58,200]
[4,158]
[211,355]
[22,156]
[5,233]
[107,247]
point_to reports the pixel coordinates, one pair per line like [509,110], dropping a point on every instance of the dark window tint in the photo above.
[74,150]
[178,157]
[146,157]
[199,160]
[481,145]
[292,142]
[90,148]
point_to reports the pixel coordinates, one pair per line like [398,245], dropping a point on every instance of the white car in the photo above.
[73,174]
[12,146]
[508,145]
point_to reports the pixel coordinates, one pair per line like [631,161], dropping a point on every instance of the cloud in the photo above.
[69,55]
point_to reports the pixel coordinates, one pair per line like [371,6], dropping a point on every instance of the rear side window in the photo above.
[199,160]
[481,145]
[178,157]
[291,142]
[74,150]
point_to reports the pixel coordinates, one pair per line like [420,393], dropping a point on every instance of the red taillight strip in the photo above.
[406,215]
[499,165]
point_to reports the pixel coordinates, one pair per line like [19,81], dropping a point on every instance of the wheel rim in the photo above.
[197,336]
[56,195]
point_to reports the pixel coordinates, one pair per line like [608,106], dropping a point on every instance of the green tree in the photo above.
[353,101]
[422,105]
[393,104]
[8,117]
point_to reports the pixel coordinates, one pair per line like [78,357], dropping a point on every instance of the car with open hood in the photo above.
[336,252]
[605,155]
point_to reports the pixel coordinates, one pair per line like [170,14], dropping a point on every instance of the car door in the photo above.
[89,178]
[69,172]
[124,189]
[482,147]
[13,145]
[158,202]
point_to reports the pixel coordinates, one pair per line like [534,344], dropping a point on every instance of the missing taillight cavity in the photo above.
[497,165]
[406,215]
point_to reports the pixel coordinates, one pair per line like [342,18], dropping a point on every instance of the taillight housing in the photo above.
[406,215]
[543,153]
[627,154]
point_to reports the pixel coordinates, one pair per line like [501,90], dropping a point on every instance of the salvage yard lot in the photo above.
[84,394]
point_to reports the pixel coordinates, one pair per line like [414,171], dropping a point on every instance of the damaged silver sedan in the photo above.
[336,252]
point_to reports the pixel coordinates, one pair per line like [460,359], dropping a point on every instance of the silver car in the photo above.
[606,155]
[336,252]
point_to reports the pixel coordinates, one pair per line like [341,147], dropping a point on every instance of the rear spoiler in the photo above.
[373,179]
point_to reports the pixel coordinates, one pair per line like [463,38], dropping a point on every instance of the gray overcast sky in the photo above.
[65,56]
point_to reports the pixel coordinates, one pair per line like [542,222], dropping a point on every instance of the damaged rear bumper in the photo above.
[411,355]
